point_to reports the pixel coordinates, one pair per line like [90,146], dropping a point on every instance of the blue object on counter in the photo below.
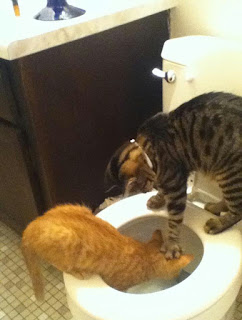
[59,10]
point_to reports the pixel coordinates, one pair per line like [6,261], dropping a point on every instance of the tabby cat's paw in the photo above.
[213,226]
[172,250]
[156,202]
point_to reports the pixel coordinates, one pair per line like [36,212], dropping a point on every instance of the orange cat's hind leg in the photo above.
[157,239]
[34,268]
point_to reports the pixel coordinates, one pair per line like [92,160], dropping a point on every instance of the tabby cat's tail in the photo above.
[33,264]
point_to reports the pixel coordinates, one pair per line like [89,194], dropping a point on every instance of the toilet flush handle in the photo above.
[169,76]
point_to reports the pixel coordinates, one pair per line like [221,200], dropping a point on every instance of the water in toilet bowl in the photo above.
[141,230]
[157,284]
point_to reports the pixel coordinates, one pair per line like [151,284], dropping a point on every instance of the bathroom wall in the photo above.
[207,17]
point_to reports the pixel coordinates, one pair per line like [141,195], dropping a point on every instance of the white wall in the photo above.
[221,18]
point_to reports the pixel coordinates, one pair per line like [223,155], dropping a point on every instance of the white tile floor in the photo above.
[16,296]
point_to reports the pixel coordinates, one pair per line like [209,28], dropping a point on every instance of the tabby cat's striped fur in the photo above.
[128,171]
[203,134]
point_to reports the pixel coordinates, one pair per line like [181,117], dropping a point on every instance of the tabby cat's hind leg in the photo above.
[231,185]
[216,208]
[214,226]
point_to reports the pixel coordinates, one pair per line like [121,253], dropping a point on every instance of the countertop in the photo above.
[22,36]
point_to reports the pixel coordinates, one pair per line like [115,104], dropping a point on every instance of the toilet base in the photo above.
[230,314]
[211,313]
[76,312]
[79,315]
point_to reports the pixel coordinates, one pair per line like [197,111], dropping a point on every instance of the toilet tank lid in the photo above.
[186,50]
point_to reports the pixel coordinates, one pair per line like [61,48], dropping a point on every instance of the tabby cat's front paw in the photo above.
[172,250]
[213,226]
[156,202]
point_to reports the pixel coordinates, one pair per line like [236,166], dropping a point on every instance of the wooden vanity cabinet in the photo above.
[7,105]
[17,201]
[78,102]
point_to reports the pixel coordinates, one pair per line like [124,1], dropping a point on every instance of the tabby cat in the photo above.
[129,172]
[203,134]
[73,240]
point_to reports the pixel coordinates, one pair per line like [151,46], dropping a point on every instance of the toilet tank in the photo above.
[201,64]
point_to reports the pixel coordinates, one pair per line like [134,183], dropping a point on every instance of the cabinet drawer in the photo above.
[7,106]
[17,203]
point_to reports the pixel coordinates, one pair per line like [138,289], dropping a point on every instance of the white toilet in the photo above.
[201,64]
[207,288]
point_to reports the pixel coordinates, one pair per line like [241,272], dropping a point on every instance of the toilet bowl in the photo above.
[208,293]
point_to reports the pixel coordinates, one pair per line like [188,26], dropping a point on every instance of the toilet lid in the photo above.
[218,271]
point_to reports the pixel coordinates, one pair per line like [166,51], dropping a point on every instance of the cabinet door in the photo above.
[17,204]
[7,110]
[84,99]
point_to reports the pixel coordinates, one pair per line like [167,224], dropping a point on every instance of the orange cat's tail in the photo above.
[33,264]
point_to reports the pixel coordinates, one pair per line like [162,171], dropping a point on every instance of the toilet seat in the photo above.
[216,277]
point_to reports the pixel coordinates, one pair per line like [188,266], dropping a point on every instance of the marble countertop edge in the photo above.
[22,47]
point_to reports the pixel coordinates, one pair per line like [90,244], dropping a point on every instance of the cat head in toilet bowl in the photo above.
[129,171]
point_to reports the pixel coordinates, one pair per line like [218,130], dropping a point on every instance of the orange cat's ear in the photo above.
[157,235]
[157,238]
[185,259]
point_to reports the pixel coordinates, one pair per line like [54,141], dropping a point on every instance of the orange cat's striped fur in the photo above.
[73,240]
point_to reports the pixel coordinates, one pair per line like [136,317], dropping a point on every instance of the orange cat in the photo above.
[73,240]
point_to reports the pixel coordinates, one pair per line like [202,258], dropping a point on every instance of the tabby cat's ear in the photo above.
[112,179]
[130,187]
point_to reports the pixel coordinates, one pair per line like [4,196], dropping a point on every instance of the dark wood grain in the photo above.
[17,204]
[83,99]
[7,105]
